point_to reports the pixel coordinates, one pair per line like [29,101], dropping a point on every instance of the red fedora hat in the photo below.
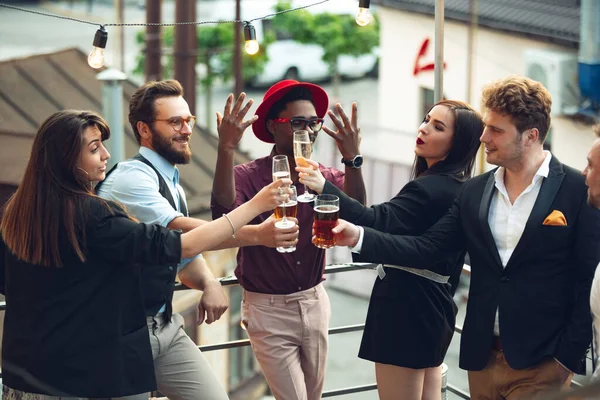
[275,93]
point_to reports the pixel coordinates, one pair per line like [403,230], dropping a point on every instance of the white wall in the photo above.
[496,55]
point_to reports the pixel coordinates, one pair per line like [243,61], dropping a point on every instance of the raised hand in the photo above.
[231,124]
[270,236]
[312,176]
[347,135]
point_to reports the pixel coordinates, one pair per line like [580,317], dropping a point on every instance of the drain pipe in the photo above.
[589,54]
[438,73]
[112,109]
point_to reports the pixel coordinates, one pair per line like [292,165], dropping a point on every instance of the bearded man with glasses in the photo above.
[148,186]
[285,308]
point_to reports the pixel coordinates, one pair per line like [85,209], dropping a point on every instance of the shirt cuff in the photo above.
[563,365]
[361,234]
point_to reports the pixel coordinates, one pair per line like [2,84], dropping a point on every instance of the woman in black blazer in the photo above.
[411,314]
[70,269]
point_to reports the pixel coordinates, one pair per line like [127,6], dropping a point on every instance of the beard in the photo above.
[164,147]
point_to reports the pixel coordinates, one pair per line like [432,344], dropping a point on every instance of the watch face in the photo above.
[357,162]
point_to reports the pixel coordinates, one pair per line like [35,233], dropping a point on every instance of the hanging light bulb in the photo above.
[250,37]
[96,57]
[363,17]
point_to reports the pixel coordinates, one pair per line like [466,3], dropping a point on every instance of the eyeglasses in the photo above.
[299,123]
[177,122]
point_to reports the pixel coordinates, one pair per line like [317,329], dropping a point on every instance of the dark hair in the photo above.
[468,127]
[526,101]
[142,106]
[48,206]
[295,94]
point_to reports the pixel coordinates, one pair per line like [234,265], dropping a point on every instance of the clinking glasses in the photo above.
[299,123]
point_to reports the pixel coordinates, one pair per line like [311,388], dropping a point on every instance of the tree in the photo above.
[215,54]
[336,34]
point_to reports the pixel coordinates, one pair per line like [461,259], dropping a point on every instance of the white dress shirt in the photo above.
[595,307]
[507,221]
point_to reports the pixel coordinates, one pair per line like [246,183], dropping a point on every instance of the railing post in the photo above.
[444,381]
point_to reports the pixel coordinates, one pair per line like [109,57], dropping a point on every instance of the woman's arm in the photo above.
[209,235]
[401,215]
[115,237]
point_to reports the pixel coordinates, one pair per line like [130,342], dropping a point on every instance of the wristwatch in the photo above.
[355,163]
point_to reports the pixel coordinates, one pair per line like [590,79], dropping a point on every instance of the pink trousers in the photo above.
[289,337]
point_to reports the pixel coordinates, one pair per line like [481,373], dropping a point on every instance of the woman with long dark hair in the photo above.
[70,262]
[411,314]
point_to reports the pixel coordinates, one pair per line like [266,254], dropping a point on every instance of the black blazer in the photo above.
[418,206]
[542,294]
[80,330]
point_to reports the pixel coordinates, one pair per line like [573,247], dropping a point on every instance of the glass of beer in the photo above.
[303,152]
[326,213]
[287,209]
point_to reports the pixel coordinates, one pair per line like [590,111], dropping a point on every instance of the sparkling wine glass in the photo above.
[281,170]
[287,209]
[302,152]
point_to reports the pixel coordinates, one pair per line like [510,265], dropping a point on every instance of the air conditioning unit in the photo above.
[557,71]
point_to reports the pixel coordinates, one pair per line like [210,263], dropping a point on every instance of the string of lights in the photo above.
[96,57]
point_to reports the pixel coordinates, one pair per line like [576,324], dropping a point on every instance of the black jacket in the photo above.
[542,294]
[80,330]
[417,207]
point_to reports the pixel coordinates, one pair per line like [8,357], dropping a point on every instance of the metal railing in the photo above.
[331,269]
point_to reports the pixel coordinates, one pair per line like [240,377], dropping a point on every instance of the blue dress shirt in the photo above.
[135,185]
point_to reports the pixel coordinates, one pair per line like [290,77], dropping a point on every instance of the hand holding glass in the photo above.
[287,209]
[326,213]
[302,152]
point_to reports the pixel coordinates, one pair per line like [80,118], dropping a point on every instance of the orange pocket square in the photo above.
[556,218]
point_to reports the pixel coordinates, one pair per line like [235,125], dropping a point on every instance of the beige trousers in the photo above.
[289,336]
[182,372]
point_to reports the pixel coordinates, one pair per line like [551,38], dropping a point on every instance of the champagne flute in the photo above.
[302,152]
[281,170]
[288,208]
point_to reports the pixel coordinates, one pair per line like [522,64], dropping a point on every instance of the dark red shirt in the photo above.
[265,270]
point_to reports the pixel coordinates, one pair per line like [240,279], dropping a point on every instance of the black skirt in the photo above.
[410,321]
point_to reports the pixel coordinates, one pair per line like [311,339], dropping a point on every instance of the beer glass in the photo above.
[326,212]
[287,209]
[303,152]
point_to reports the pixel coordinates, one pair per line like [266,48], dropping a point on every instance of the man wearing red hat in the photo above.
[285,309]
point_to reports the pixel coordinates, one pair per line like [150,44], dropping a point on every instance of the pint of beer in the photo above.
[326,213]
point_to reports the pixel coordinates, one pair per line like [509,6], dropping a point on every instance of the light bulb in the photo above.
[251,47]
[96,58]
[363,17]
[250,38]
